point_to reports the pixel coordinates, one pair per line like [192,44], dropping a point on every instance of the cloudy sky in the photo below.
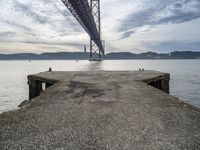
[127,25]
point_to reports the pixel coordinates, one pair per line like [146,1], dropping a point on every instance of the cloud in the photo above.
[28,11]
[127,34]
[16,47]
[16,25]
[46,21]
[7,34]
[128,25]
[160,12]
[61,43]
[169,46]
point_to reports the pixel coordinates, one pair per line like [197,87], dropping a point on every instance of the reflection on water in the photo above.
[95,66]
[185,76]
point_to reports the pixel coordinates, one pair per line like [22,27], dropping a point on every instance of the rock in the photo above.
[25,102]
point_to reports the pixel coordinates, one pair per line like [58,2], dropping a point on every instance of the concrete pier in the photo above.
[101,110]
[156,79]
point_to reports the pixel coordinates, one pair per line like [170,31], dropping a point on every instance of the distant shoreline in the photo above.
[88,59]
[108,56]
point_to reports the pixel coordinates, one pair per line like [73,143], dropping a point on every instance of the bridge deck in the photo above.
[102,110]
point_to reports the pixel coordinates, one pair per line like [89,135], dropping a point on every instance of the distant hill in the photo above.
[45,56]
[185,55]
[108,56]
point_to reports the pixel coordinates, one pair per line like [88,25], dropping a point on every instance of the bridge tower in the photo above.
[95,52]
[87,13]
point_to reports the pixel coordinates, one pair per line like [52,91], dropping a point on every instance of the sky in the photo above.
[127,26]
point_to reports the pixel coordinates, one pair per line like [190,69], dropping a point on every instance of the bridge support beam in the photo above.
[95,52]
[89,17]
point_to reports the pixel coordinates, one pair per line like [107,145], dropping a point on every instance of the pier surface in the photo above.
[101,110]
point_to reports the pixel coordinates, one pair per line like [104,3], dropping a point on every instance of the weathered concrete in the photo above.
[101,110]
[156,79]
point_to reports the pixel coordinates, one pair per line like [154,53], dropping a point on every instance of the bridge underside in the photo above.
[88,15]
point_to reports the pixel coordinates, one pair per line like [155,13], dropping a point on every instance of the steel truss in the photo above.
[89,18]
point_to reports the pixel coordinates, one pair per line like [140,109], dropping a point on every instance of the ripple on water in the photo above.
[184,84]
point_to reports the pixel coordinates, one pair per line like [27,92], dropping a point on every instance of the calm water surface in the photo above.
[184,84]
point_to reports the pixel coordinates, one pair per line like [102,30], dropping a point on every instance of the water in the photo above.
[184,83]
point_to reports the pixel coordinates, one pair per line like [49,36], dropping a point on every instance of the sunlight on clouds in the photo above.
[35,48]
[128,25]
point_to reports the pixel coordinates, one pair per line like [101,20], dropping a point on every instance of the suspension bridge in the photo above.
[89,16]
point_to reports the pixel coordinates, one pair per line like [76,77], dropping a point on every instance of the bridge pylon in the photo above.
[95,52]
[89,17]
